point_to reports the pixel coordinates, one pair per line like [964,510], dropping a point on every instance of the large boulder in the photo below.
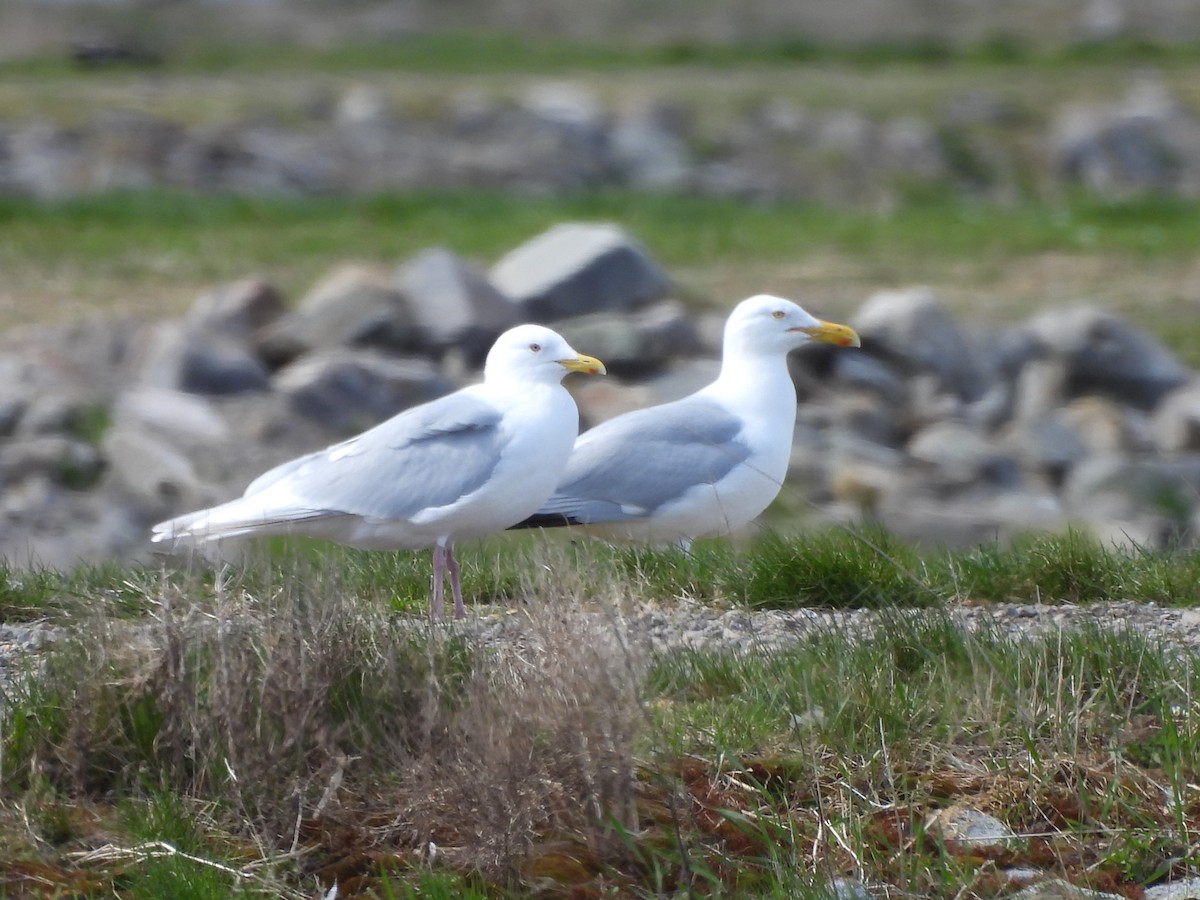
[354,306]
[578,268]
[453,304]
[350,390]
[177,357]
[637,345]
[238,310]
[912,329]
[1103,354]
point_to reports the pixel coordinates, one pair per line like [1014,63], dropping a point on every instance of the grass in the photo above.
[489,53]
[153,253]
[275,728]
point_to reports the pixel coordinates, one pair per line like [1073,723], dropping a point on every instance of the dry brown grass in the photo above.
[304,712]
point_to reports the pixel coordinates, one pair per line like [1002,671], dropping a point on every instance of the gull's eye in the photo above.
[536,348]
[778,314]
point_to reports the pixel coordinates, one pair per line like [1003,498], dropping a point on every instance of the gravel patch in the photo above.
[659,630]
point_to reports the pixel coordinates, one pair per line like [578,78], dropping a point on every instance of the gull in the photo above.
[465,465]
[703,465]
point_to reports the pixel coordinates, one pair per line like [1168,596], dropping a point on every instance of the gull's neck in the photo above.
[754,380]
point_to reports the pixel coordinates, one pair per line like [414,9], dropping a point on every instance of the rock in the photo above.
[969,518]
[1145,143]
[648,154]
[1104,354]
[349,390]
[564,103]
[353,306]
[1057,889]
[453,303]
[238,310]
[62,460]
[600,399]
[579,268]
[959,456]
[969,827]
[912,329]
[862,371]
[184,418]
[849,889]
[1143,500]
[634,346]
[683,377]
[1184,889]
[175,357]
[1176,421]
[159,476]
[1048,446]
[362,105]
[54,413]
[1040,390]
[866,416]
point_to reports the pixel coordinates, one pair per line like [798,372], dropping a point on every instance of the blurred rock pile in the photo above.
[559,137]
[941,431]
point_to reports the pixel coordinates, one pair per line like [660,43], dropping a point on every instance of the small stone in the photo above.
[970,827]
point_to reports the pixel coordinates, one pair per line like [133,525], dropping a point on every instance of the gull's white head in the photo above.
[536,353]
[766,325]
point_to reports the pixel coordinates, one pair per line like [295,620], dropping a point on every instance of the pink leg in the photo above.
[437,609]
[460,610]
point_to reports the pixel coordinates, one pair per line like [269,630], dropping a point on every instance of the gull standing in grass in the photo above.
[462,466]
[704,465]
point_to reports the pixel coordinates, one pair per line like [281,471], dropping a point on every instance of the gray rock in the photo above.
[1146,500]
[185,418]
[176,357]
[54,412]
[864,371]
[1176,421]
[1184,889]
[1048,446]
[1145,143]
[913,330]
[634,346]
[959,456]
[238,310]
[1057,889]
[849,889]
[453,303]
[62,460]
[970,827]
[1040,389]
[648,155]
[160,477]
[579,268]
[349,390]
[1102,353]
[354,306]
[866,416]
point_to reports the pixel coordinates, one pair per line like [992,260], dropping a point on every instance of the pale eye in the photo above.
[778,314]
[536,348]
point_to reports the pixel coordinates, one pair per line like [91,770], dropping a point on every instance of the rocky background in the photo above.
[555,136]
[941,431]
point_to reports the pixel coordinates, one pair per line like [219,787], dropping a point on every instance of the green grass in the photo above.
[197,724]
[154,252]
[828,568]
[482,53]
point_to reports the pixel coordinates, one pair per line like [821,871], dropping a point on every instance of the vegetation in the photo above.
[152,253]
[276,727]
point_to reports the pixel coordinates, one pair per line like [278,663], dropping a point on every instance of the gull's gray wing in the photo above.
[428,456]
[628,467]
